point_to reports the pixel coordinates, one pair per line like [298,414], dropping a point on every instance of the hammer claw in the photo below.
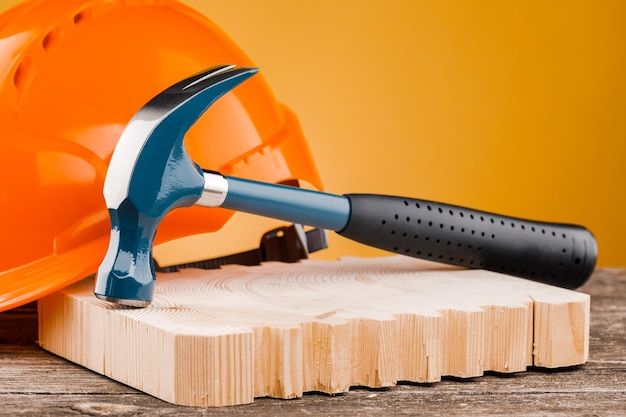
[207,75]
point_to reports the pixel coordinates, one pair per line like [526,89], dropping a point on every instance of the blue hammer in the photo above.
[151,173]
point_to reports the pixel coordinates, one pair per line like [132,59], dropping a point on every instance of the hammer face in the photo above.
[126,275]
[149,175]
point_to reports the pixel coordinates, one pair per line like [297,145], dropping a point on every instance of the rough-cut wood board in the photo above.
[223,337]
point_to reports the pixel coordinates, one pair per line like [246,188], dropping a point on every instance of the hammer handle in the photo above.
[557,254]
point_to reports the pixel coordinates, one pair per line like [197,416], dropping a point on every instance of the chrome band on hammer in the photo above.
[215,190]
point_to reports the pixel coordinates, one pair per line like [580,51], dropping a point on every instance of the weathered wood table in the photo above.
[34,382]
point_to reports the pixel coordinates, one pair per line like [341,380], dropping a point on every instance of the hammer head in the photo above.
[149,175]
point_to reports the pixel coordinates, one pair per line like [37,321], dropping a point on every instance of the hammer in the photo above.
[151,173]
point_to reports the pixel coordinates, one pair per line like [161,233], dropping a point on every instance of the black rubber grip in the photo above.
[556,254]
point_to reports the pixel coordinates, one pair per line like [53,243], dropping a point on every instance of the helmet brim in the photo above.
[35,280]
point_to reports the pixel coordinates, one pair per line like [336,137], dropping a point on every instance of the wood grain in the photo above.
[225,337]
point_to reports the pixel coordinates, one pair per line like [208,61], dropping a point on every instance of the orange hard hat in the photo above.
[72,74]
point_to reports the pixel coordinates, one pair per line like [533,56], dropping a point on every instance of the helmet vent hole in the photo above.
[20,74]
[49,40]
[79,17]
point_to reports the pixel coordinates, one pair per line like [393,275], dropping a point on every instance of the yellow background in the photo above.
[517,107]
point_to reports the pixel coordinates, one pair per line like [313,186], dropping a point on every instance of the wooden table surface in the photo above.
[35,382]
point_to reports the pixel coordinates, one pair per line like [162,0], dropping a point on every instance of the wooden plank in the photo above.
[225,337]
